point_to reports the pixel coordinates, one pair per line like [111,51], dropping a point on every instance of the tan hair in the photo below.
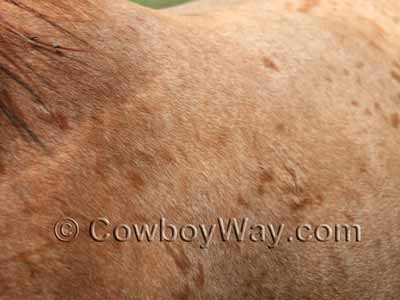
[32,38]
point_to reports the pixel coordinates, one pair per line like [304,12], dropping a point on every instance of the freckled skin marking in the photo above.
[363,168]
[260,190]
[349,217]
[167,156]
[360,65]
[375,45]
[98,119]
[395,120]
[354,103]
[243,202]
[377,106]
[325,156]
[308,5]
[280,127]
[222,139]
[61,121]
[396,76]
[136,180]
[57,118]
[319,198]
[270,64]
[266,177]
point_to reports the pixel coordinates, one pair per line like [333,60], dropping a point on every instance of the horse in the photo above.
[115,116]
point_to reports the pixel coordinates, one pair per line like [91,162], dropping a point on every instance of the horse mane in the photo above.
[41,44]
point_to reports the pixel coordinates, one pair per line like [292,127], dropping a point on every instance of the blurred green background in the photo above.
[159,3]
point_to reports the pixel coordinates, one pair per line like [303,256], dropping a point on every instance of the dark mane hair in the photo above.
[41,45]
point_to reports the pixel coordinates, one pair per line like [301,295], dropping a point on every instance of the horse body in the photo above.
[279,112]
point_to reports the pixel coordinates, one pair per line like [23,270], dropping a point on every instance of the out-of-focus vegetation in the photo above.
[160,3]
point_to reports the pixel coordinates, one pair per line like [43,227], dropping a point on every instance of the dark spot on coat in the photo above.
[184,184]
[222,139]
[280,127]
[136,180]
[261,189]
[57,118]
[243,202]
[308,5]
[360,65]
[319,199]
[167,156]
[363,168]
[349,217]
[61,121]
[377,106]
[396,76]
[97,118]
[266,177]
[269,63]
[375,45]
[395,120]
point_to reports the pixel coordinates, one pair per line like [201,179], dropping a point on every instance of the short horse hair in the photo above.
[31,55]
